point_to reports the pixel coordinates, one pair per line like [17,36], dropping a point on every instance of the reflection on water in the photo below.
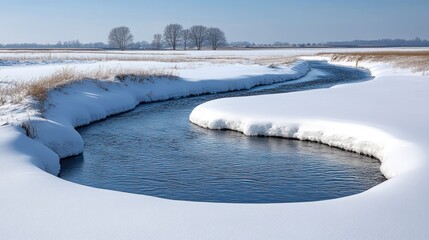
[155,151]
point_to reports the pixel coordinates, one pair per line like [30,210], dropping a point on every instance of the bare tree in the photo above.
[120,37]
[156,42]
[185,37]
[172,34]
[198,35]
[216,37]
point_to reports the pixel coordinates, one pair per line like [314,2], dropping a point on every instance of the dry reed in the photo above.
[417,61]
[16,92]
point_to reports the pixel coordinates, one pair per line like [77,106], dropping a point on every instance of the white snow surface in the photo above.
[386,117]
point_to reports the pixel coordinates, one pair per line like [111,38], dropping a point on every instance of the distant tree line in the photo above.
[246,44]
[174,36]
[417,42]
[198,37]
[59,44]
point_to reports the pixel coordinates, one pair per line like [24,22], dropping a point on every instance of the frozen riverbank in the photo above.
[385,118]
[154,150]
[35,204]
[89,101]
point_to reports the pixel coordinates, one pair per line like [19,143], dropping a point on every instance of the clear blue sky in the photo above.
[294,21]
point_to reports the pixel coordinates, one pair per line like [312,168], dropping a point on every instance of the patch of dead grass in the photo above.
[11,92]
[417,61]
[16,92]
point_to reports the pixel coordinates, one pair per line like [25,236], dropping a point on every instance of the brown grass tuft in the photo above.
[11,92]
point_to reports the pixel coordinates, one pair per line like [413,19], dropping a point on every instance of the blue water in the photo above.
[154,150]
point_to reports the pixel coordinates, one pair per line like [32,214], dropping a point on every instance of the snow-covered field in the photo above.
[33,57]
[386,117]
[174,56]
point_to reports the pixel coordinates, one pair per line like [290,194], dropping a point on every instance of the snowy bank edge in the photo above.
[56,130]
[361,139]
[347,136]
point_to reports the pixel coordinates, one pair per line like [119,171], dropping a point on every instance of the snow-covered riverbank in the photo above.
[30,194]
[385,117]
[89,101]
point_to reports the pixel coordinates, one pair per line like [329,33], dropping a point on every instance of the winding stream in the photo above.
[154,150]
